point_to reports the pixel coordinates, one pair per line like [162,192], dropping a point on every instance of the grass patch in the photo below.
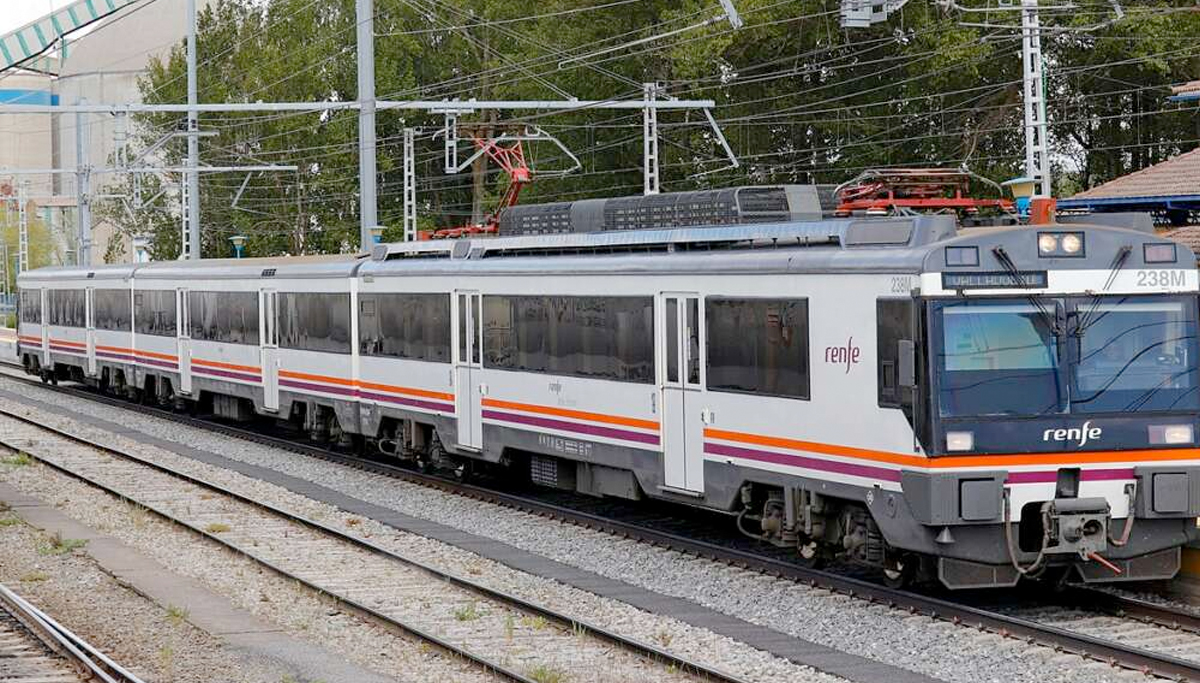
[469,613]
[61,546]
[21,459]
[176,614]
[9,521]
[546,674]
[217,528]
[35,577]
[537,623]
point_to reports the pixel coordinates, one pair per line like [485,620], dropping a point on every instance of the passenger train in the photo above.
[967,405]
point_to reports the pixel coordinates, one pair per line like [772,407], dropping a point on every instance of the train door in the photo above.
[184,321]
[270,350]
[680,382]
[45,294]
[468,398]
[89,313]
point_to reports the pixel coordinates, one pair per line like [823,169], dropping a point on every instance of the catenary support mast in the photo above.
[368,211]
[1037,153]
[192,195]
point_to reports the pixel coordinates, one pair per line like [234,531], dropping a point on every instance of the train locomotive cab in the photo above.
[1056,398]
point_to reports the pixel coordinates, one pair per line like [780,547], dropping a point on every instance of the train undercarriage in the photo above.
[1052,541]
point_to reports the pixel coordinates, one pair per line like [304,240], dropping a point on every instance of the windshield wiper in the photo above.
[1006,261]
[1085,321]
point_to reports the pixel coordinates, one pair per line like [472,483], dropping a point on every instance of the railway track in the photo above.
[501,633]
[1104,626]
[36,649]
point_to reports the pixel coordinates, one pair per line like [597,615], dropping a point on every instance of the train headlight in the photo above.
[960,441]
[1047,244]
[1071,243]
[1171,434]
[1060,244]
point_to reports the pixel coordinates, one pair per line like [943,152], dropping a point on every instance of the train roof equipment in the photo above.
[899,191]
[508,152]
[723,207]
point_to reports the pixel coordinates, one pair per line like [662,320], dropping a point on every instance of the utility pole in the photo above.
[1037,157]
[22,227]
[650,140]
[410,186]
[368,210]
[83,188]
[192,195]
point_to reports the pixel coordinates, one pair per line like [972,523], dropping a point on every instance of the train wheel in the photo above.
[900,571]
[813,556]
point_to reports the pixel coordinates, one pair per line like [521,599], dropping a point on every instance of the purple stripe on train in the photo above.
[225,373]
[802,461]
[159,363]
[308,386]
[123,357]
[592,430]
[66,349]
[1049,477]
[401,400]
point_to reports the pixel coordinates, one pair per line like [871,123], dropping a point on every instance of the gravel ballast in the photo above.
[920,644]
[152,642]
[298,611]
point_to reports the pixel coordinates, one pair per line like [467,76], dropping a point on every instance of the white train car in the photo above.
[979,405]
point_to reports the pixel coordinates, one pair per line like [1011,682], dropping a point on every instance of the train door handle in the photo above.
[707,416]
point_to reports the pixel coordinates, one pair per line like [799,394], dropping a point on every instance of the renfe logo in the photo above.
[843,355]
[1081,435]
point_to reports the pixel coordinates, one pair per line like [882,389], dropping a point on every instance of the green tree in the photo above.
[799,98]
[42,249]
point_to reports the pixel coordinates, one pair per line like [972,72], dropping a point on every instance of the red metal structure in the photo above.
[509,155]
[914,190]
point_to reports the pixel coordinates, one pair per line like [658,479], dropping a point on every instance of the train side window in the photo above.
[229,317]
[310,321]
[599,337]
[893,323]
[412,326]
[758,346]
[67,307]
[31,306]
[155,312]
[111,310]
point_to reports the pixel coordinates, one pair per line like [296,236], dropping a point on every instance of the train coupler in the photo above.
[1075,525]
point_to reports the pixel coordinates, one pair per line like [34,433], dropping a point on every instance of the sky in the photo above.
[17,13]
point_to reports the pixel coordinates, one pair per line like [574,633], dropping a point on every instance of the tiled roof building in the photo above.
[1170,190]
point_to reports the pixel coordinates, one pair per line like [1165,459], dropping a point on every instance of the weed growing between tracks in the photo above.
[20,459]
[58,545]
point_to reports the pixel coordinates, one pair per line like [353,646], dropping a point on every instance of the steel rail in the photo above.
[574,624]
[960,613]
[86,660]
[1128,607]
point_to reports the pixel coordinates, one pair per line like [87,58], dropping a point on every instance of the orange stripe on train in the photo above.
[574,414]
[225,366]
[940,462]
[424,393]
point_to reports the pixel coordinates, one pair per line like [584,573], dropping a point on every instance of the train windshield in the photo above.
[1066,355]
[1134,354]
[996,357]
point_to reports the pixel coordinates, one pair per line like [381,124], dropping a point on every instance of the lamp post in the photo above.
[239,243]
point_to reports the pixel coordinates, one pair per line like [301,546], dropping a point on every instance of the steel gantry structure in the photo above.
[653,100]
